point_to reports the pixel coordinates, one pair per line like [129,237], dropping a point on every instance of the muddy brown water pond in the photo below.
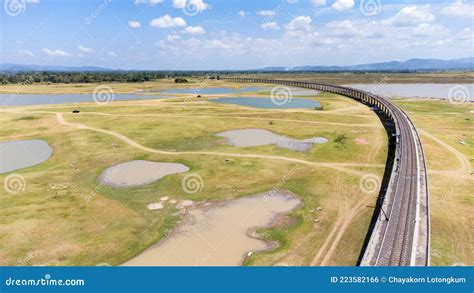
[138,172]
[218,235]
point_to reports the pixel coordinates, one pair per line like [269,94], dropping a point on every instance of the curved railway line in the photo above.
[399,234]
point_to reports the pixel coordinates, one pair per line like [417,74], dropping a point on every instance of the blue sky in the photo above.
[231,34]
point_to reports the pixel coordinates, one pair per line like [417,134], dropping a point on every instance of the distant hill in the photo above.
[409,65]
[7,67]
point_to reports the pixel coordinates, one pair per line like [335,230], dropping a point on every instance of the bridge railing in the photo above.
[367,98]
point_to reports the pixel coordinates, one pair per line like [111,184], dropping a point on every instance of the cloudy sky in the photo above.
[232,34]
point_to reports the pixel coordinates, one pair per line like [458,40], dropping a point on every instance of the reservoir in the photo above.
[18,100]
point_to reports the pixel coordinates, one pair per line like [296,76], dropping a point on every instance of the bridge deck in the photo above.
[403,239]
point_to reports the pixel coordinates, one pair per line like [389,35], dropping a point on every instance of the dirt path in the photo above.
[345,217]
[338,166]
[341,230]
[200,116]
[465,166]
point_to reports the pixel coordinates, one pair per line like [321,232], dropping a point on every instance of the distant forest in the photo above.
[80,77]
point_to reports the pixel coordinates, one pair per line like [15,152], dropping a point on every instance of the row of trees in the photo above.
[80,77]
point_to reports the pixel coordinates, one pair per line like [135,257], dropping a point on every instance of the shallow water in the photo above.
[438,91]
[258,137]
[139,172]
[10,100]
[218,236]
[268,103]
[214,90]
[19,154]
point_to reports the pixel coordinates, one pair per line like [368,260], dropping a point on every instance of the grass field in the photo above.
[65,217]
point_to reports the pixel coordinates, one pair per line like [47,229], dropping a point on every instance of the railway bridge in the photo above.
[399,234]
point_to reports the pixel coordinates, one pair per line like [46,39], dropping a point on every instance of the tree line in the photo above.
[79,77]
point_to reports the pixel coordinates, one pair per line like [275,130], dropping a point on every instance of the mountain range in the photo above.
[408,65]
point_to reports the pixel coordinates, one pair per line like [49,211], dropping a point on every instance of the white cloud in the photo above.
[173,37]
[345,24]
[195,30]
[199,5]
[167,21]
[411,16]
[299,23]
[134,24]
[269,26]
[266,13]
[318,3]
[25,53]
[150,2]
[216,44]
[179,3]
[458,8]
[341,5]
[85,49]
[426,30]
[54,53]
[111,53]
[242,13]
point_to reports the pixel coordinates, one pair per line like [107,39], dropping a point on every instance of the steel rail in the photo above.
[404,238]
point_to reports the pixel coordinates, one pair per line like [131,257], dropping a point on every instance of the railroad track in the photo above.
[400,231]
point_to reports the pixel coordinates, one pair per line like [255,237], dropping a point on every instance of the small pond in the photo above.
[19,154]
[257,137]
[138,172]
